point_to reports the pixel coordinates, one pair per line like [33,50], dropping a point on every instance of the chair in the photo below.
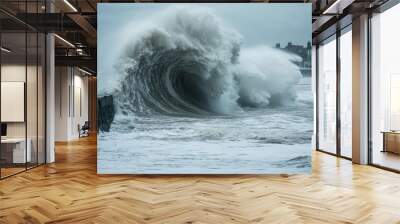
[84,130]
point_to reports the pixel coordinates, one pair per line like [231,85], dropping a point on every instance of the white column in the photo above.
[360,90]
[63,100]
[50,92]
[50,100]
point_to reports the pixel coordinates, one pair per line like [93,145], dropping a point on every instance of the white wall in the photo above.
[17,73]
[34,125]
[62,82]
[79,117]
[10,73]
[70,84]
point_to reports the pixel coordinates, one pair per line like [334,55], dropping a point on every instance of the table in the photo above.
[391,141]
[13,150]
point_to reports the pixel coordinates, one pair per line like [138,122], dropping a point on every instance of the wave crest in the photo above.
[192,63]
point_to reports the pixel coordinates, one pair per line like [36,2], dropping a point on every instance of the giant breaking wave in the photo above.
[189,62]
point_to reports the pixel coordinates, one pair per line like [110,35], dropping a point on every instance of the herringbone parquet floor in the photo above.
[70,191]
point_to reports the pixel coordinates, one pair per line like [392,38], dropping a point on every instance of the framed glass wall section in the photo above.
[32,97]
[34,70]
[385,89]
[346,92]
[23,88]
[327,95]
[41,97]
[14,153]
[39,6]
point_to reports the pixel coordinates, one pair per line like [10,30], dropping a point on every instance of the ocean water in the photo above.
[252,141]
[193,98]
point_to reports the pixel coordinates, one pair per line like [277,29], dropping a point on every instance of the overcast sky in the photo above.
[258,23]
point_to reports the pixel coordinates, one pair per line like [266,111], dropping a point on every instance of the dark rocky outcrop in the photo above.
[105,112]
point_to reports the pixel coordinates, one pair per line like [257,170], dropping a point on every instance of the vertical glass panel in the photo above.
[31,87]
[327,95]
[314,84]
[346,94]
[386,89]
[31,98]
[394,101]
[22,74]
[41,98]
[2,161]
[13,89]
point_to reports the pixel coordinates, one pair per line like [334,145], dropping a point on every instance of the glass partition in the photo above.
[385,89]
[327,95]
[22,77]
[14,155]
[346,93]
[31,99]
[41,97]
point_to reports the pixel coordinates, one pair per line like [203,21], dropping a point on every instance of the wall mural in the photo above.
[204,88]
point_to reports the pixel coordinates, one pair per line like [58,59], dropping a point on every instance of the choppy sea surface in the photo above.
[251,141]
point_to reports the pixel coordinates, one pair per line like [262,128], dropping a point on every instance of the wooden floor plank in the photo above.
[70,191]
